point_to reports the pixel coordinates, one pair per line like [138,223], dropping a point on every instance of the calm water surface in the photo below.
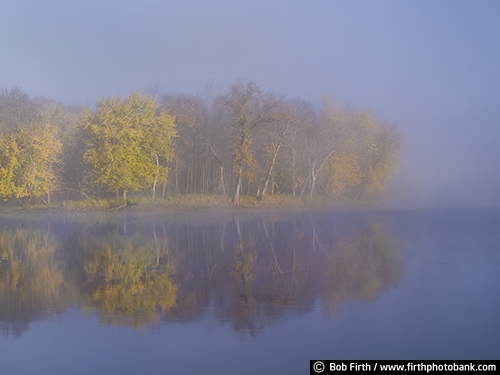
[246,292]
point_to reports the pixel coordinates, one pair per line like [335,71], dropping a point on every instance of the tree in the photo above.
[29,145]
[158,145]
[287,131]
[365,150]
[192,159]
[17,110]
[319,145]
[75,174]
[128,144]
[249,108]
[383,159]
[352,136]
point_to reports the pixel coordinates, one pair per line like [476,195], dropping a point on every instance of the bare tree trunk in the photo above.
[304,185]
[176,178]
[236,196]
[222,181]
[314,173]
[163,190]
[221,167]
[270,169]
[313,182]
[156,176]
[313,179]
[293,167]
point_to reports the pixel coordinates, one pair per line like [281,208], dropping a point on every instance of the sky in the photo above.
[431,67]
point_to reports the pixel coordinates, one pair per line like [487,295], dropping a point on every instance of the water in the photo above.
[246,292]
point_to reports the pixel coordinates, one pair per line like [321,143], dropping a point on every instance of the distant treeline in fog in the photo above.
[242,142]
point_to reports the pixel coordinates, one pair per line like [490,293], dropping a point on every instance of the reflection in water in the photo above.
[127,278]
[248,272]
[31,278]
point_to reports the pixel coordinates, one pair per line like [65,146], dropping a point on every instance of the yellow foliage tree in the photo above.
[365,151]
[27,159]
[128,144]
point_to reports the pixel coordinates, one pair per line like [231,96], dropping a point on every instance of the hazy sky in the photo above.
[432,67]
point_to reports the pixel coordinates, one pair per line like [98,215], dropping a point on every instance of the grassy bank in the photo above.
[189,201]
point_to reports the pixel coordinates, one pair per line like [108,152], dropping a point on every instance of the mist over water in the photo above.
[295,284]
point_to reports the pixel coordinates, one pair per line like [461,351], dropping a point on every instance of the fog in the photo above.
[430,67]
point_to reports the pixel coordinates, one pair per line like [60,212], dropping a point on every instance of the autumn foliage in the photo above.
[243,142]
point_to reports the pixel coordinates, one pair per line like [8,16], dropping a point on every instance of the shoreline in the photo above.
[190,203]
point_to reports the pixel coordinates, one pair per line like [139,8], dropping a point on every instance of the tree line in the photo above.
[245,141]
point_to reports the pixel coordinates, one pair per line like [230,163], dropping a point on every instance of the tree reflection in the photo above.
[269,268]
[360,265]
[31,278]
[246,271]
[128,279]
